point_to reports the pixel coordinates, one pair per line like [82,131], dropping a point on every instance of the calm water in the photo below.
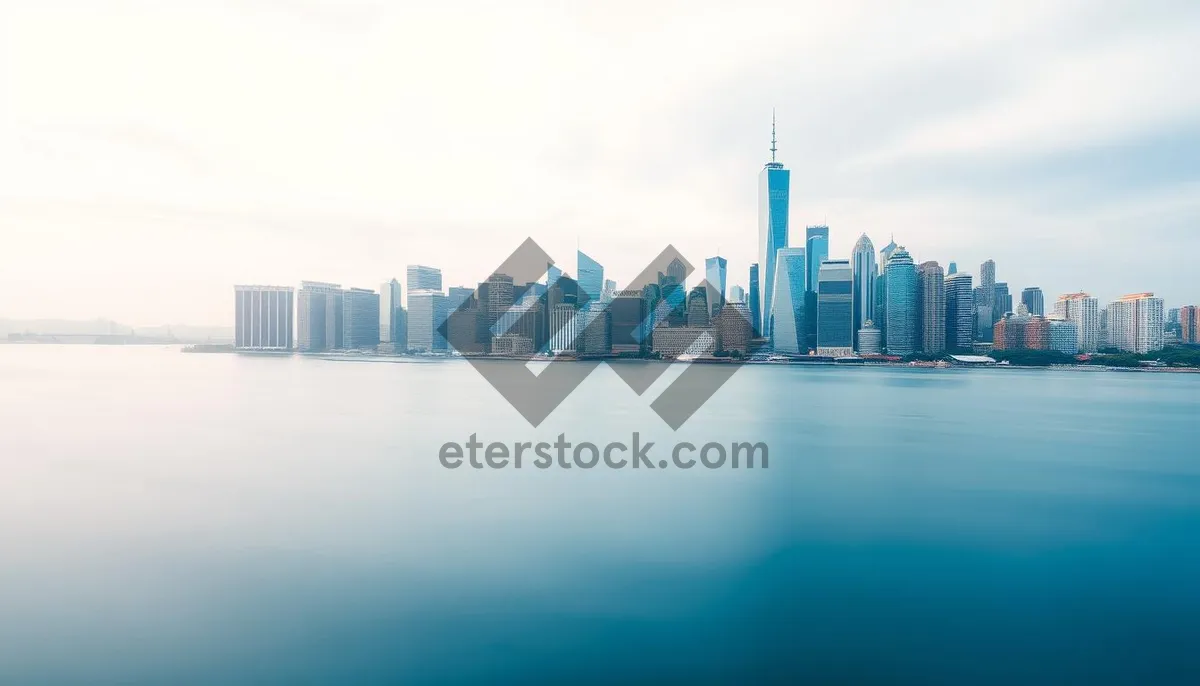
[215,519]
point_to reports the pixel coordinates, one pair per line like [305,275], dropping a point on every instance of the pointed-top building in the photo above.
[774,184]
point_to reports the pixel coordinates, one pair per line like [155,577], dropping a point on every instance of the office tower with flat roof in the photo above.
[389,314]
[789,330]
[360,319]
[932,284]
[562,328]
[420,277]
[595,326]
[774,184]
[737,294]
[960,311]
[903,306]
[865,273]
[1037,331]
[754,300]
[698,312]
[1084,310]
[733,327]
[263,317]
[1135,323]
[1002,300]
[426,313]
[835,308]
[985,301]
[1189,329]
[319,316]
[1033,299]
[1009,333]
[870,339]
[590,278]
[456,296]
[628,314]
[714,274]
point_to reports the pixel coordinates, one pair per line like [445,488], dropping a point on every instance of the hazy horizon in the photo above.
[151,157]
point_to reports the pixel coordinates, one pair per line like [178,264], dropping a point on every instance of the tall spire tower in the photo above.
[774,184]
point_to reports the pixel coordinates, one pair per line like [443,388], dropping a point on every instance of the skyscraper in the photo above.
[500,294]
[698,311]
[1001,301]
[714,274]
[263,317]
[426,313]
[881,304]
[389,313]
[737,294]
[360,319]
[885,253]
[1033,298]
[816,246]
[754,301]
[932,285]
[610,287]
[985,300]
[835,308]
[319,316]
[789,329]
[774,183]
[628,311]
[865,273]
[422,277]
[1063,336]
[1135,323]
[591,278]
[562,327]
[902,304]
[960,311]
[1083,310]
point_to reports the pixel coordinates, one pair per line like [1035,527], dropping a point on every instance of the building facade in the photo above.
[835,308]
[1033,299]
[1189,329]
[774,188]
[903,306]
[360,319]
[1135,323]
[319,316]
[684,340]
[960,311]
[263,317]
[590,276]
[865,273]
[733,327]
[931,281]
[789,326]
[1064,336]
[1084,311]
[426,312]
[420,277]
[754,300]
[985,300]
[390,313]
[714,274]
[628,316]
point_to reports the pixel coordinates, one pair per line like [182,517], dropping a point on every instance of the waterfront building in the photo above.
[590,277]
[1037,332]
[1063,336]
[903,306]
[562,329]
[774,184]
[628,313]
[870,340]
[1189,329]
[512,344]
[390,309]
[697,307]
[360,319]
[1135,323]
[754,300]
[714,274]
[865,273]
[733,327]
[319,316]
[426,312]
[523,319]
[1082,309]
[683,340]
[960,311]
[789,326]
[420,277]
[263,317]
[1033,298]
[594,325]
[835,308]
[932,284]
[1009,333]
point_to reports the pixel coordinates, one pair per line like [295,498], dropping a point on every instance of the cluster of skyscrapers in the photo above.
[798,301]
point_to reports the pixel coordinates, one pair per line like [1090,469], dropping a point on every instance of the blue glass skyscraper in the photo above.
[791,316]
[714,274]
[591,278]
[902,304]
[755,299]
[816,244]
[774,183]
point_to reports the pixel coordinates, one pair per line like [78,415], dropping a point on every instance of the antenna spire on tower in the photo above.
[772,134]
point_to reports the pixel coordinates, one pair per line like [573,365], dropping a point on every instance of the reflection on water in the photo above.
[169,518]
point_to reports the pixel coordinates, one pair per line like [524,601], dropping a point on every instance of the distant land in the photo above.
[44,329]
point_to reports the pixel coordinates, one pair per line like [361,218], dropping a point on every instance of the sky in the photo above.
[154,154]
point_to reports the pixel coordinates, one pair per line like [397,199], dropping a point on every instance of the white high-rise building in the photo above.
[1084,311]
[426,312]
[264,319]
[1135,323]
[865,273]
